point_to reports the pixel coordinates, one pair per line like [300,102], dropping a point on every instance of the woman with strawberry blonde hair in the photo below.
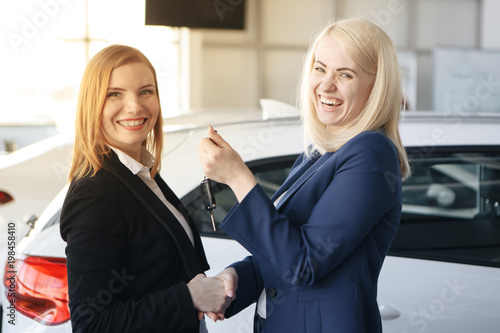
[90,142]
[135,261]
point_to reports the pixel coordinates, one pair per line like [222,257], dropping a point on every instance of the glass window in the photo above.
[270,173]
[451,206]
[46,45]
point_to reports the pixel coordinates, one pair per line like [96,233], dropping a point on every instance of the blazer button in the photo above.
[271,292]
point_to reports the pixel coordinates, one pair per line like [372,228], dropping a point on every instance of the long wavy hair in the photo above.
[91,145]
[371,49]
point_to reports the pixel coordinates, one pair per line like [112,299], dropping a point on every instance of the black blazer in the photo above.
[127,272]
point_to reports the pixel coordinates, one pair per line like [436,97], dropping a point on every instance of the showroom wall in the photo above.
[236,68]
[45,45]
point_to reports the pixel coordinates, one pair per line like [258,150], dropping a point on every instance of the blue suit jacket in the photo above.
[319,252]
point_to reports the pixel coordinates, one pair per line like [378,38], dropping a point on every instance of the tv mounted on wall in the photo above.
[207,14]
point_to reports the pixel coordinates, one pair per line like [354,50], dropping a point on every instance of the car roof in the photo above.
[416,129]
[446,129]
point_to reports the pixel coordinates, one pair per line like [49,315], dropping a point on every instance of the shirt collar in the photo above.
[134,166]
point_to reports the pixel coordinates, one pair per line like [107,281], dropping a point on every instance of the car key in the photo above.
[208,198]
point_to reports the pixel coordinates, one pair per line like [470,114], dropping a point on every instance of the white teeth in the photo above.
[131,123]
[331,102]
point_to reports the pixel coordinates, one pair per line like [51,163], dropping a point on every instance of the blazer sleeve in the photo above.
[248,276]
[92,224]
[360,190]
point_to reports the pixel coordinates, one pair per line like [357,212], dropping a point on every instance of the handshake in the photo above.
[213,295]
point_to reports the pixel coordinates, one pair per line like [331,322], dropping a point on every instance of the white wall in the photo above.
[264,61]
[490,24]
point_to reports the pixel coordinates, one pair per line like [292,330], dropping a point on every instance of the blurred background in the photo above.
[45,44]
[222,61]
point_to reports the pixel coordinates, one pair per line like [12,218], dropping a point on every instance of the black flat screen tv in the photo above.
[203,14]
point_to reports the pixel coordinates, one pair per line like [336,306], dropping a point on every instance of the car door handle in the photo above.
[387,312]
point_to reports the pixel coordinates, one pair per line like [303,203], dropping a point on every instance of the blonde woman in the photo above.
[135,261]
[319,243]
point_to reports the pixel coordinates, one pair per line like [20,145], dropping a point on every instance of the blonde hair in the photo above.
[371,49]
[91,145]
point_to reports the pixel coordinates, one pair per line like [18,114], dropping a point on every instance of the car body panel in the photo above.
[415,295]
[436,296]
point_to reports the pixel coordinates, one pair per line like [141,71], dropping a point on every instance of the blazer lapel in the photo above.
[304,163]
[303,173]
[174,200]
[192,263]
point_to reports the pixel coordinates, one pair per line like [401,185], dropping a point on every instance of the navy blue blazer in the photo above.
[319,252]
[128,264]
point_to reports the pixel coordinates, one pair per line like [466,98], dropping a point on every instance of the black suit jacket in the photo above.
[127,271]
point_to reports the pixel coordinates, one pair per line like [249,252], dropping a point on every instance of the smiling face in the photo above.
[338,87]
[131,107]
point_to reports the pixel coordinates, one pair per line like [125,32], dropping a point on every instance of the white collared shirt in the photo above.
[142,170]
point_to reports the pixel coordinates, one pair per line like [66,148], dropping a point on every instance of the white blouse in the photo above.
[142,170]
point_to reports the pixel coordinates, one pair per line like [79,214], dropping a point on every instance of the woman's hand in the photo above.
[209,294]
[222,163]
[230,278]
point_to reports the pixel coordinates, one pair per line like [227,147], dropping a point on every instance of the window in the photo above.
[46,44]
[270,173]
[451,206]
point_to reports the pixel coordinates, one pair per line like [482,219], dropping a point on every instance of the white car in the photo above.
[443,270]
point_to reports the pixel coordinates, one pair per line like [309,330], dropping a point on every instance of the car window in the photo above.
[269,172]
[451,206]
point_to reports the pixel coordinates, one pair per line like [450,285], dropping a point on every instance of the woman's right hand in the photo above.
[209,294]
[220,162]
[230,278]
